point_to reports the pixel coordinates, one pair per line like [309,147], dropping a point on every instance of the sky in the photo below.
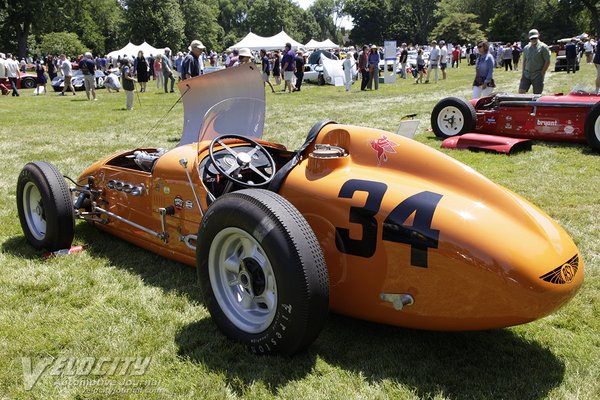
[346,22]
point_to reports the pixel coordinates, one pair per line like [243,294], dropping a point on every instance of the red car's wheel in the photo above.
[453,116]
[592,127]
[28,83]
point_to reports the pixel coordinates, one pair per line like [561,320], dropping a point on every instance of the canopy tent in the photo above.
[326,44]
[254,42]
[132,50]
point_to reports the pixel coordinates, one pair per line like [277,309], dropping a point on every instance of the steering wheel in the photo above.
[243,161]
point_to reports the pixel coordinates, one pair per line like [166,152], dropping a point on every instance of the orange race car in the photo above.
[357,221]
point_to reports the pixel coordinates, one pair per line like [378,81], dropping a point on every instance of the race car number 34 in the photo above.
[420,236]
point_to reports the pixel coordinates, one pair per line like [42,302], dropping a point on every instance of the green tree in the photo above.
[201,22]
[379,20]
[323,11]
[422,16]
[158,22]
[61,42]
[269,17]
[369,20]
[20,16]
[232,17]
[458,28]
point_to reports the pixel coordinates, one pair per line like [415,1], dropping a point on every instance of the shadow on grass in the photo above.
[153,269]
[489,364]
[19,247]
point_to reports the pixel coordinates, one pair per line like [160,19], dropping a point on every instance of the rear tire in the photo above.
[45,207]
[453,116]
[592,127]
[262,272]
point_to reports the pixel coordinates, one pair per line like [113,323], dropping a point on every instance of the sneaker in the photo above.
[61,94]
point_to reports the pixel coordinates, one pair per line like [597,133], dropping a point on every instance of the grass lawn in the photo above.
[115,300]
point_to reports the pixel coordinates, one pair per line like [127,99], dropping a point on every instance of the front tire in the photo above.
[45,207]
[262,272]
[592,127]
[453,116]
[28,83]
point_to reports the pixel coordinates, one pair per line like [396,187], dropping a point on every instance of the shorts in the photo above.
[265,77]
[420,68]
[89,81]
[288,75]
[443,66]
[537,83]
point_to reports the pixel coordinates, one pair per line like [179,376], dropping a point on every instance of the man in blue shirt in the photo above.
[193,62]
[571,55]
[287,63]
[88,67]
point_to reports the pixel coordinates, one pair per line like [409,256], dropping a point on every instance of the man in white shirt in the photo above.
[12,73]
[443,58]
[3,81]
[67,71]
[588,48]
[434,61]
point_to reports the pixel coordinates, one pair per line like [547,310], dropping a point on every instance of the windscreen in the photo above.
[235,116]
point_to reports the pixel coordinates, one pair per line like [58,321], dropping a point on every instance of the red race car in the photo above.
[574,117]
[28,80]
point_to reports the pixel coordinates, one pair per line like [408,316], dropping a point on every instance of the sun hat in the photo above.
[245,52]
[374,46]
[534,34]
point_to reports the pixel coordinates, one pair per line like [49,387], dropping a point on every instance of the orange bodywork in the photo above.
[392,216]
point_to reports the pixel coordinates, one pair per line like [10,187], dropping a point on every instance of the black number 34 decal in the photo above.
[419,235]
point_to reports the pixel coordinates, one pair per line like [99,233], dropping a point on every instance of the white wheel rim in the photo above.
[33,208]
[242,280]
[597,129]
[450,121]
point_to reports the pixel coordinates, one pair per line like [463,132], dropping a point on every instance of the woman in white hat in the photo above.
[244,56]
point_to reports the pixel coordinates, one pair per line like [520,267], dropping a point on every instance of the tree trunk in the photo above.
[22,37]
[593,8]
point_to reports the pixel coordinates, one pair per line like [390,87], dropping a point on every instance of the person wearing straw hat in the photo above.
[244,56]
[193,63]
[373,61]
[536,60]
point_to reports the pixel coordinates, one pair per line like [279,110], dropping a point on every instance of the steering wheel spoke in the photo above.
[229,149]
[253,168]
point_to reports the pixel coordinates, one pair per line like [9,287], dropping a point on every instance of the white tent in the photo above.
[276,42]
[326,44]
[132,50]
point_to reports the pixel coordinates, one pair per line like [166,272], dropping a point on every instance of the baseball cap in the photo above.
[534,34]
[196,44]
